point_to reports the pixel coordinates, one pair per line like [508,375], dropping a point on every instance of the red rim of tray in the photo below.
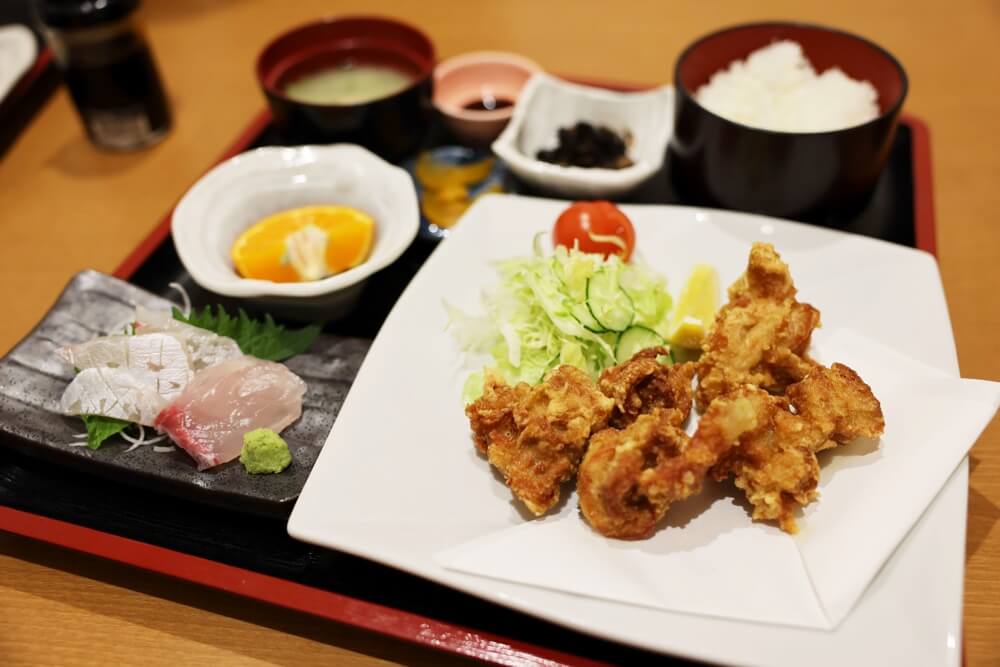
[413,628]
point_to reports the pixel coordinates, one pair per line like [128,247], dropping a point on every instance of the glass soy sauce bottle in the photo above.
[109,70]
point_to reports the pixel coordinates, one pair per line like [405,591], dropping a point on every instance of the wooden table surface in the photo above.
[65,206]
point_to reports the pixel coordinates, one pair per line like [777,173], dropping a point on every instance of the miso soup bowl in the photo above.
[814,175]
[391,126]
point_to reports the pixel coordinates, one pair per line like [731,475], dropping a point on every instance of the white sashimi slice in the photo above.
[122,393]
[125,377]
[204,348]
[226,400]
[105,352]
[159,358]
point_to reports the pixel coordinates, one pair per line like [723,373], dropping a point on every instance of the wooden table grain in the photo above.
[65,206]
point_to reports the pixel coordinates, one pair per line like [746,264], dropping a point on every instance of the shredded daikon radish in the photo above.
[141,440]
[185,299]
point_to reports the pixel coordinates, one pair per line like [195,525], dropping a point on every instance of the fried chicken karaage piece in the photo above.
[492,415]
[630,477]
[775,464]
[760,337]
[642,383]
[536,436]
[839,403]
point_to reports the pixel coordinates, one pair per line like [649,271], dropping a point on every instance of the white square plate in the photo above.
[399,481]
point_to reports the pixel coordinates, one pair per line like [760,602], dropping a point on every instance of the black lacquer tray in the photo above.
[252,555]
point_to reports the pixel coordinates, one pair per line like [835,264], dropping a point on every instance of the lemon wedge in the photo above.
[695,308]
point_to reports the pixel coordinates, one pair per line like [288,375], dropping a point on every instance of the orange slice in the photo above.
[261,251]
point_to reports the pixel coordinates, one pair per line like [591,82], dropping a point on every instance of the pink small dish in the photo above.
[476,92]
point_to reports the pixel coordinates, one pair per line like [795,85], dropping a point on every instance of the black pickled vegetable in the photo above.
[586,145]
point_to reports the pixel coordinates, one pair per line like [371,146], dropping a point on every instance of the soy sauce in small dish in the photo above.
[488,103]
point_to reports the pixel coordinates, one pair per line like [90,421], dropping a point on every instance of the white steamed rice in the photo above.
[776,88]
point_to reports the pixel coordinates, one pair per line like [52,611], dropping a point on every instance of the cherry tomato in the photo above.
[587,219]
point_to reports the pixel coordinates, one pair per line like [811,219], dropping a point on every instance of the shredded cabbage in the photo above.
[535,318]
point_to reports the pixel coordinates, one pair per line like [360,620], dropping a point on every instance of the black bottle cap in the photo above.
[83,13]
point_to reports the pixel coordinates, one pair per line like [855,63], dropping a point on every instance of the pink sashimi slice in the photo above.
[224,401]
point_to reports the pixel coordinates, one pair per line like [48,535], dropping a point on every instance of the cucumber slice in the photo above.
[634,339]
[581,313]
[610,305]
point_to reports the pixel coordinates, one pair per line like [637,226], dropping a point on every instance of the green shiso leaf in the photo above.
[262,339]
[100,428]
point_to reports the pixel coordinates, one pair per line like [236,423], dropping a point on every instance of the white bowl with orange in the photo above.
[297,229]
